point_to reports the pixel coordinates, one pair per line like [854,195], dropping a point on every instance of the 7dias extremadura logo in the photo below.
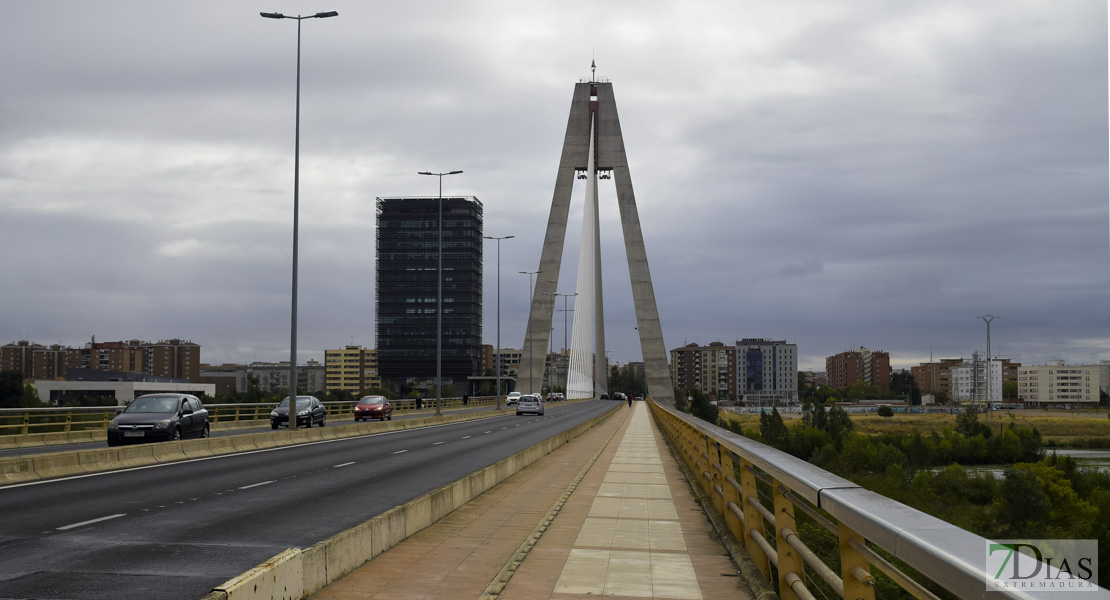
[1042,565]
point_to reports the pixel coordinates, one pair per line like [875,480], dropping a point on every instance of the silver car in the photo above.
[530,404]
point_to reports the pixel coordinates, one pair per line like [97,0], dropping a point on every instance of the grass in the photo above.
[1057,428]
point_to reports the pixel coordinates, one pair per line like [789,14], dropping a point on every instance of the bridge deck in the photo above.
[629,529]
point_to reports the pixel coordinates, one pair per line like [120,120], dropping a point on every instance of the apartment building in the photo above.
[711,369]
[1059,384]
[351,368]
[866,366]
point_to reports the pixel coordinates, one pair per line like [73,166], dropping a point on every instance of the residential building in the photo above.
[977,381]
[936,377]
[352,368]
[35,361]
[767,371]
[222,376]
[1059,384]
[408,255]
[274,377]
[862,366]
[711,369]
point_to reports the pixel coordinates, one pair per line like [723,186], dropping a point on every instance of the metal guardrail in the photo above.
[25,421]
[758,490]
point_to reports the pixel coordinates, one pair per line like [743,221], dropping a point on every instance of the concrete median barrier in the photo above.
[101,460]
[168,452]
[18,470]
[61,464]
[137,455]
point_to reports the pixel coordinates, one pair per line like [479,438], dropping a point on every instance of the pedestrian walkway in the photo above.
[629,529]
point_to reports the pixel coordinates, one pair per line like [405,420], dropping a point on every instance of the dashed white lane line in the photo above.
[400,451]
[254,485]
[466,437]
[346,464]
[437,443]
[489,432]
[91,521]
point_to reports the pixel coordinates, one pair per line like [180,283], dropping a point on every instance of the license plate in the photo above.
[134,433]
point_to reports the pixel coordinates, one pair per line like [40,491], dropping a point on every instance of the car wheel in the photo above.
[206,431]
[307,423]
[176,434]
[323,421]
[390,416]
[273,425]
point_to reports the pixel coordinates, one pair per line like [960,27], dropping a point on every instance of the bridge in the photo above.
[592,499]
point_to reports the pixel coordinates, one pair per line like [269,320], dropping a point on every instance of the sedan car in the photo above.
[373,407]
[529,404]
[512,398]
[310,411]
[159,417]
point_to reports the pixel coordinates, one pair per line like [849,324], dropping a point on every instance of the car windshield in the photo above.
[153,404]
[302,402]
[372,400]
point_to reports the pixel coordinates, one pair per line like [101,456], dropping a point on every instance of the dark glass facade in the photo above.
[407,259]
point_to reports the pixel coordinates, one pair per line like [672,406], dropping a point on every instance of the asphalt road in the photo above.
[347,420]
[177,530]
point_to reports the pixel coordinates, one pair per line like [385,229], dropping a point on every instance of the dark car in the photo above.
[157,418]
[310,411]
[373,407]
[529,403]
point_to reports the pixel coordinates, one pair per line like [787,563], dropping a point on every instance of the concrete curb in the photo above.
[330,560]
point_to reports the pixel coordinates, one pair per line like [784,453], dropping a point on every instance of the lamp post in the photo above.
[566,375]
[296,210]
[439,294]
[531,358]
[490,237]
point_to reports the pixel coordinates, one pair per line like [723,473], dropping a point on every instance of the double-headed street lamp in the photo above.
[531,358]
[439,294]
[565,310]
[507,237]
[296,210]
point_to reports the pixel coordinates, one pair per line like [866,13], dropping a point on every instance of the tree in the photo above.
[702,408]
[885,411]
[1010,390]
[902,383]
[968,425]
[773,430]
[11,388]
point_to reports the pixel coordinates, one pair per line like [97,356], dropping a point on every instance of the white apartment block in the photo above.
[767,370]
[1059,384]
[978,381]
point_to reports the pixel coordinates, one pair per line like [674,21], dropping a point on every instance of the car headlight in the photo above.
[163,424]
[302,413]
[113,425]
[273,414]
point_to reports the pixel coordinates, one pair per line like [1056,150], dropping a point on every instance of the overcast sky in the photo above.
[836,174]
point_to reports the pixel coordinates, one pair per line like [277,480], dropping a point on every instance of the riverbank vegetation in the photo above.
[920,461]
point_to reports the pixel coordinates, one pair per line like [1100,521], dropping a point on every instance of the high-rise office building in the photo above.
[407,259]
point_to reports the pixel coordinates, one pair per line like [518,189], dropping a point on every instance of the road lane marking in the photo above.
[91,521]
[400,451]
[489,432]
[344,464]
[254,485]
[466,437]
[437,443]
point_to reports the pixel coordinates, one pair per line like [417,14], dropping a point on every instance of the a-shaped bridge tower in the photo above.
[594,149]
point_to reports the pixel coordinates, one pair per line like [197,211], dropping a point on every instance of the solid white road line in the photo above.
[91,521]
[254,485]
[400,451]
[344,464]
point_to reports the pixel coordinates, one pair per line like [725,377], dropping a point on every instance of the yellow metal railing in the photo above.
[761,492]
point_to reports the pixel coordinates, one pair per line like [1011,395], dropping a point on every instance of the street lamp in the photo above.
[490,237]
[439,293]
[566,375]
[531,357]
[296,210]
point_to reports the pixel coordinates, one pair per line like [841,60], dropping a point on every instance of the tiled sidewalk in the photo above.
[631,530]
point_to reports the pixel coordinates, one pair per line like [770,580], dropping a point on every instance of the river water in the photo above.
[1087,459]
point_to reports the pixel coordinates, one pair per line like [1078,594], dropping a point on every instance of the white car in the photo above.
[530,404]
[512,398]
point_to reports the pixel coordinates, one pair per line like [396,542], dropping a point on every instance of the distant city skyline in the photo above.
[834,175]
